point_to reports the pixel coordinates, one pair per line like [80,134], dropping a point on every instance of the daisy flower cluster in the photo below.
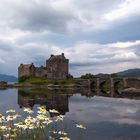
[14,127]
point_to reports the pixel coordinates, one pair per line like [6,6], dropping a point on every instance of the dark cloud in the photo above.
[39,17]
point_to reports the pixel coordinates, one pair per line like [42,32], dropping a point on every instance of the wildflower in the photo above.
[2,118]
[64,138]
[54,132]
[42,117]
[2,128]
[28,126]
[42,111]
[10,136]
[19,124]
[80,126]
[53,111]
[41,107]
[7,135]
[11,117]
[47,121]
[7,127]
[28,110]
[59,118]
[10,111]
[62,133]
[37,123]
[30,119]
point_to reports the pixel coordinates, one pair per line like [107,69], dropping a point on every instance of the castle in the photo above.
[57,67]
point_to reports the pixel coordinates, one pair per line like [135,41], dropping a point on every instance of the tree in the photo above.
[24,78]
[87,76]
[114,75]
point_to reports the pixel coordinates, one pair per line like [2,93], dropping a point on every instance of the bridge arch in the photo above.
[102,82]
[101,85]
[116,83]
[93,84]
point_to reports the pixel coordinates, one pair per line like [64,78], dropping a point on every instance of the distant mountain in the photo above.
[8,78]
[129,73]
[126,73]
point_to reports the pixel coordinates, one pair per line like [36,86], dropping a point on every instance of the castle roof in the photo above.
[57,57]
[26,66]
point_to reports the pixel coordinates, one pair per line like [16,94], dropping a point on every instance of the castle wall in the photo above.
[41,72]
[26,71]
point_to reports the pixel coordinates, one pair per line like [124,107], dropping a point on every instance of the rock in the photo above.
[132,90]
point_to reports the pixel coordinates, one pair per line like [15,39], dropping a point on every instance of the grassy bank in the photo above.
[39,81]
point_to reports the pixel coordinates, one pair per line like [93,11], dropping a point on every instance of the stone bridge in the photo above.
[98,83]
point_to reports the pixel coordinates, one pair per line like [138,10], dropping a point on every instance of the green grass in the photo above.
[38,81]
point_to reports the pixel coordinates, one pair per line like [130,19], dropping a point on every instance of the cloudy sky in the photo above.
[96,35]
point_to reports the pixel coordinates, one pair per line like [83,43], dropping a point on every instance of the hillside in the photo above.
[129,73]
[8,78]
[126,73]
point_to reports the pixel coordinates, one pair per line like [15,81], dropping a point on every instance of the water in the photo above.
[106,118]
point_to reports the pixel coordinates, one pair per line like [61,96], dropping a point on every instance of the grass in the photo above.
[39,81]
[47,81]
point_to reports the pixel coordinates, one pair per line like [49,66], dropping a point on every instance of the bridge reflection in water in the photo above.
[59,99]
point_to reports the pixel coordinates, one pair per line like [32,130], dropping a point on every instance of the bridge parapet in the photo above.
[98,83]
[132,82]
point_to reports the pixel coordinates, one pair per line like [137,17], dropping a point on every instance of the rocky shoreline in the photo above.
[131,90]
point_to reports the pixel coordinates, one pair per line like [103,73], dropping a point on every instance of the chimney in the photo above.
[62,54]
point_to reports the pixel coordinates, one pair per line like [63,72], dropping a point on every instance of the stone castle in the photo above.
[57,67]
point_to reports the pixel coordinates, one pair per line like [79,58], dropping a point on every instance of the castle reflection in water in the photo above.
[51,101]
[57,99]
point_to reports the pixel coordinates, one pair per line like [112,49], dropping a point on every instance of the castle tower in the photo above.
[57,67]
[26,70]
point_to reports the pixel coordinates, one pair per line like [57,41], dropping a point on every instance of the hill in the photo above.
[125,73]
[8,78]
[102,75]
[129,73]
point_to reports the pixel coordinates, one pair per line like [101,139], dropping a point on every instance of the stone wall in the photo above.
[132,82]
[41,72]
[27,69]
[57,67]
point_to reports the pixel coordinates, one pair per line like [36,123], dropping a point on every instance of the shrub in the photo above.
[87,76]
[24,78]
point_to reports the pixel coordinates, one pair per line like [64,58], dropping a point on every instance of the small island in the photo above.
[54,74]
